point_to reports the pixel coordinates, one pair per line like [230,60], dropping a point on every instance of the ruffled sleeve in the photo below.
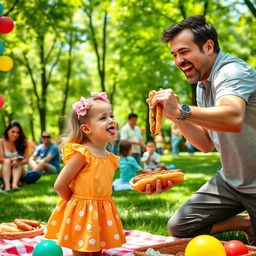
[71,148]
[114,159]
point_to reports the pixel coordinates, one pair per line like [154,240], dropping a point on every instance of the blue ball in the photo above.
[1,48]
[47,247]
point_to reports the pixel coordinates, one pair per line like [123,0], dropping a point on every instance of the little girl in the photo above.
[86,218]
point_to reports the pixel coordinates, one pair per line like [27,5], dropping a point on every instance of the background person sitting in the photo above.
[151,160]
[132,133]
[46,157]
[13,156]
[128,167]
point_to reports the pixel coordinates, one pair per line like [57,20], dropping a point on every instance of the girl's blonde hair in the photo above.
[73,133]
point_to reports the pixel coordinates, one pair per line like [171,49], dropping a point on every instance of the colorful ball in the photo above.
[1,48]
[235,248]
[6,25]
[143,129]
[47,248]
[166,152]
[205,245]
[1,101]
[6,63]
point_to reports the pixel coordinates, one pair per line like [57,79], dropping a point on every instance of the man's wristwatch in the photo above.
[185,112]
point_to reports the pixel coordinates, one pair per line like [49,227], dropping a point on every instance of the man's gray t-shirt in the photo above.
[232,76]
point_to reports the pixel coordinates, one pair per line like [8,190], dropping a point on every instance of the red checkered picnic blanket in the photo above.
[135,239]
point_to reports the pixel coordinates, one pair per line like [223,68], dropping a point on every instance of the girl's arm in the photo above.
[67,174]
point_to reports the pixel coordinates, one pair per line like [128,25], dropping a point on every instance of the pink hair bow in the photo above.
[100,96]
[81,107]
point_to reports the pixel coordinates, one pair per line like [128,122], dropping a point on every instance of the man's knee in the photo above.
[179,226]
[176,227]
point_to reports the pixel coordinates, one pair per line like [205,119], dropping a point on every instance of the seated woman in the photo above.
[128,166]
[13,156]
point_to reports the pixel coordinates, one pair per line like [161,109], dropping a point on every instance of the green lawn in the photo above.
[137,210]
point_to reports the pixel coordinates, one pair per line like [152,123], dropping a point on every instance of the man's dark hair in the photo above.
[201,30]
[124,147]
[131,115]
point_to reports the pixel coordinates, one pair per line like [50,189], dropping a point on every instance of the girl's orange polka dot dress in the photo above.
[89,221]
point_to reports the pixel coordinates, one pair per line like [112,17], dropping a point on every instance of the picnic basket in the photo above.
[177,248]
[24,234]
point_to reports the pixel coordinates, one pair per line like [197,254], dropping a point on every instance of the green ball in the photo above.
[47,247]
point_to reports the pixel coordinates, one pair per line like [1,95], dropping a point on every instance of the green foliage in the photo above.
[52,36]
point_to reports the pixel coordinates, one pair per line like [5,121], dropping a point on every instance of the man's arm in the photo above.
[226,116]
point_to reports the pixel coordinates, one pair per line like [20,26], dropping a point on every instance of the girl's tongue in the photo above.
[112,130]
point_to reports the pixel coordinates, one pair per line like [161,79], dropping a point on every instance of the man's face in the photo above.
[193,62]
[46,138]
[132,121]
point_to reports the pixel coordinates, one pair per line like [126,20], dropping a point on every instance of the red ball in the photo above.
[235,248]
[6,25]
[1,101]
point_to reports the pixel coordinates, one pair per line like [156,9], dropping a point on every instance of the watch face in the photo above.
[185,108]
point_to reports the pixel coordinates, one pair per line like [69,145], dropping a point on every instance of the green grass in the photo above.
[137,210]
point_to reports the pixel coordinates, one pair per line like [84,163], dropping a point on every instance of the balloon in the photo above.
[1,48]
[6,63]
[205,245]
[1,9]
[47,248]
[6,25]
[235,248]
[1,101]
[143,129]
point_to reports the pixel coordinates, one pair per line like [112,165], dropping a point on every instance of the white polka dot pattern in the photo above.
[81,213]
[110,222]
[116,236]
[54,222]
[102,244]
[78,227]
[92,241]
[68,220]
[80,243]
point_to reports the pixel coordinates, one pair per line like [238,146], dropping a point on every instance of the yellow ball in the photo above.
[205,245]
[166,152]
[6,63]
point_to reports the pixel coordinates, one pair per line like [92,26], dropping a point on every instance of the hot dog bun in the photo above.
[6,227]
[139,182]
[155,115]
[33,223]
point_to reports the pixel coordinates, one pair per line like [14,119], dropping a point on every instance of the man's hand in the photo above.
[169,101]
[159,189]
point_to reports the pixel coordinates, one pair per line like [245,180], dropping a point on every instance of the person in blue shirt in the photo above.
[128,166]
[46,157]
